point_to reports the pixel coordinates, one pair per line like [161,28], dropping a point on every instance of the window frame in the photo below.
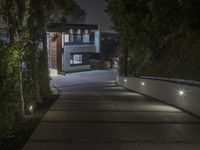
[72,59]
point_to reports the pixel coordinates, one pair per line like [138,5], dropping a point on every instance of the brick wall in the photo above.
[53,52]
[59,51]
[56,52]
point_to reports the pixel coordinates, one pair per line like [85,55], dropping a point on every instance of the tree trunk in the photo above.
[11,17]
[34,72]
[21,94]
[13,41]
[126,61]
[37,86]
[43,67]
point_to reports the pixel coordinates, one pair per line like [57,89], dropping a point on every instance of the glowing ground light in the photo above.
[181,92]
[125,80]
[142,83]
[31,108]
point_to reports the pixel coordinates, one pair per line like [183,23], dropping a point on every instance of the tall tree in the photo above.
[40,13]
[43,12]
[67,11]
[14,13]
[24,75]
[144,25]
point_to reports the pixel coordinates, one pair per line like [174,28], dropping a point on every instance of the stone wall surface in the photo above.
[186,97]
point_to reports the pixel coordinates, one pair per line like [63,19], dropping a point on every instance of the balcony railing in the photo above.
[80,48]
[79,43]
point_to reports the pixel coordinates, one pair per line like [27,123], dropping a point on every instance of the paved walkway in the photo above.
[92,113]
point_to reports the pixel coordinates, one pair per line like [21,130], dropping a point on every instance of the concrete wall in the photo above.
[79,48]
[166,91]
[79,67]
[68,49]
[97,40]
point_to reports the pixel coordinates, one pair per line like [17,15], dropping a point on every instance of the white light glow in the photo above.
[86,31]
[71,31]
[79,31]
[125,80]
[142,83]
[181,92]
[31,108]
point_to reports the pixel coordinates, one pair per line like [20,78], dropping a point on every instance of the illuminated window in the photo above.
[71,38]
[76,59]
[86,38]
[77,39]
[67,38]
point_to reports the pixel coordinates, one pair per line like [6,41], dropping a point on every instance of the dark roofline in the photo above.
[61,27]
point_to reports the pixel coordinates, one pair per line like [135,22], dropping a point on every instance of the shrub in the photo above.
[8,89]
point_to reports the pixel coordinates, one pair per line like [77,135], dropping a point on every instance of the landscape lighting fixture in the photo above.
[31,108]
[181,92]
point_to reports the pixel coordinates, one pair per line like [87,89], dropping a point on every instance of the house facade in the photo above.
[71,45]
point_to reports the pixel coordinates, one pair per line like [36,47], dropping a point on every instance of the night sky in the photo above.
[95,10]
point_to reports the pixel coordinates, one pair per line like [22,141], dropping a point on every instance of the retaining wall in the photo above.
[183,96]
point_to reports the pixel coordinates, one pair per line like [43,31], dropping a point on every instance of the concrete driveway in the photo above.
[92,113]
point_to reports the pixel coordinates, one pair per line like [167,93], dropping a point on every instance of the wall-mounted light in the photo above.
[142,83]
[79,31]
[71,31]
[86,31]
[181,92]
[125,80]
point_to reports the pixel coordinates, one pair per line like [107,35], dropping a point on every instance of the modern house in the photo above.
[71,45]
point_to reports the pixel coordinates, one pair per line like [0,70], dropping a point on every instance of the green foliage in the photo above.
[9,81]
[71,12]
[24,74]
[146,26]
[190,14]
[44,12]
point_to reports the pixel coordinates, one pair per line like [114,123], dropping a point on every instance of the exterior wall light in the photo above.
[71,31]
[86,31]
[125,80]
[181,92]
[79,31]
[142,83]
